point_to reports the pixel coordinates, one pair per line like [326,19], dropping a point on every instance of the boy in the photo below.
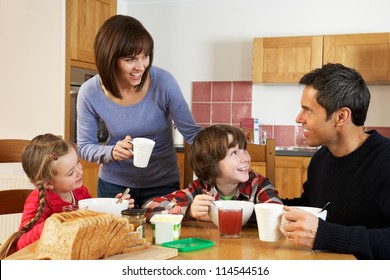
[221,162]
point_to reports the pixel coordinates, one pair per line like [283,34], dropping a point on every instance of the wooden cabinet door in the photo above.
[90,176]
[180,164]
[285,59]
[86,17]
[367,53]
[289,172]
[306,161]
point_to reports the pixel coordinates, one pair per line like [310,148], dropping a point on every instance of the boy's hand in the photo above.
[200,206]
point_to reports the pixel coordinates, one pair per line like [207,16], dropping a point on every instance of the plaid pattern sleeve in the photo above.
[174,203]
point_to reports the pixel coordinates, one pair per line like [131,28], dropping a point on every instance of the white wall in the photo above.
[204,40]
[32,67]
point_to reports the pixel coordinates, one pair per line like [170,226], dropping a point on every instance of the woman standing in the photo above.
[134,99]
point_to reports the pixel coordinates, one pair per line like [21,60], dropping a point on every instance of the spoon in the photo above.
[323,208]
[124,193]
[208,193]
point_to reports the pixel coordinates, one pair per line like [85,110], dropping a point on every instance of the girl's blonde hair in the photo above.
[38,159]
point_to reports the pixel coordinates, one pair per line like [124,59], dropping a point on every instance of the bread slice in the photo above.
[86,235]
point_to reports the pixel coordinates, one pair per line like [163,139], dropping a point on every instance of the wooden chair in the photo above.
[11,149]
[12,201]
[188,172]
[263,154]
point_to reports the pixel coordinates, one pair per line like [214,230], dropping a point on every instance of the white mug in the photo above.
[142,150]
[268,217]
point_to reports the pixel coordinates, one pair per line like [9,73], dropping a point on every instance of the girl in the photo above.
[53,166]
[221,162]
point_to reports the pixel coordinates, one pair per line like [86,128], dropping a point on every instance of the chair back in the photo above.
[264,154]
[12,201]
[259,154]
[11,149]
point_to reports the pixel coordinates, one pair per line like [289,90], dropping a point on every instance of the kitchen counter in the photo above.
[295,151]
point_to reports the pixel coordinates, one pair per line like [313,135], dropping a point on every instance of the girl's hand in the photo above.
[121,150]
[126,197]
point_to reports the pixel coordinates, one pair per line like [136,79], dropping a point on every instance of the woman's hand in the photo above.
[199,208]
[301,227]
[122,149]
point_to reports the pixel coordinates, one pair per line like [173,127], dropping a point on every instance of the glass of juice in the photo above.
[230,222]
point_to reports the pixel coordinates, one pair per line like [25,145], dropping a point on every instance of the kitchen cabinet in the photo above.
[90,176]
[287,59]
[367,53]
[83,19]
[291,173]
[180,164]
[86,17]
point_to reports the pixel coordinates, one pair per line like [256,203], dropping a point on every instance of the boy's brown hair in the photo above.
[210,147]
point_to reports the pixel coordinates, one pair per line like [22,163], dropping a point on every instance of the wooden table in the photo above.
[247,247]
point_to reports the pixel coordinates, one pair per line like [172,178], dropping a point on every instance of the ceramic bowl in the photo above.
[105,205]
[247,209]
[313,210]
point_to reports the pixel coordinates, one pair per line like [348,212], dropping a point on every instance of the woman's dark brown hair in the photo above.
[120,36]
[210,147]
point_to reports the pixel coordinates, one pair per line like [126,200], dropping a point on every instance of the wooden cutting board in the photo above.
[154,253]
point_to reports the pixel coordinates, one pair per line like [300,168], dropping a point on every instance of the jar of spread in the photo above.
[137,218]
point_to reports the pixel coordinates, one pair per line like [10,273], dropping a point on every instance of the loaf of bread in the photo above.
[87,235]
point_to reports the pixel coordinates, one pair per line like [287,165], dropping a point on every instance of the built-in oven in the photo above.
[74,89]
[77,77]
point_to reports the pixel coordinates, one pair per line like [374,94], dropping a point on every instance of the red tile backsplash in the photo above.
[221,91]
[242,92]
[299,138]
[241,110]
[228,102]
[201,92]
[221,113]
[284,135]
[202,113]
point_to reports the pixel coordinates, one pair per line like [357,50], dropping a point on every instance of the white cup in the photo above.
[142,150]
[268,216]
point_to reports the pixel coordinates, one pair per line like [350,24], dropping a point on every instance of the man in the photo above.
[351,170]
